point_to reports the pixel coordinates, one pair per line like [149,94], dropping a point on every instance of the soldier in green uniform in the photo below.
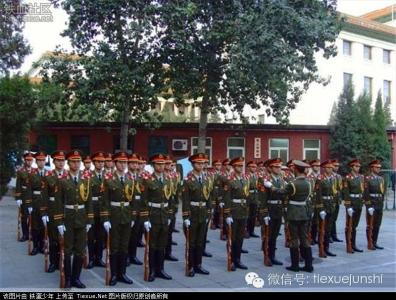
[178,190]
[374,194]
[325,190]
[172,210]
[155,215]
[108,165]
[274,202]
[74,217]
[47,207]
[209,176]
[236,199]
[337,199]
[227,170]
[87,161]
[133,173]
[298,216]
[96,234]
[21,196]
[253,201]
[36,185]
[217,192]
[353,188]
[118,214]
[195,205]
[313,175]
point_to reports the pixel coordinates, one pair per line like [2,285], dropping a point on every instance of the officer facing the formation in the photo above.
[36,188]
[195,206]
[374,195]
[48,209]
[274,202]
[96,234]
[155,215]
[353,188]
[118,214]
[21,196]
[298,216]
[133,173]
[337,199]
[236,193]
[325,190]
[253,198]
[74,217]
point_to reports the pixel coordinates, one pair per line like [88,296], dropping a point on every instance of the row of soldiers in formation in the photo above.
[72,213]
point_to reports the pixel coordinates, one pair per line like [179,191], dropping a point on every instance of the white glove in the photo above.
[30,209]
[187,223]
[61,229]
[268,184]
[169,221]
[45,220]
[107,226]
[221,204]
[229,221]
[132,223]
[322,214]
[147,225]
[88,227]
[350,211]
[19,202]
[266,220]
[371,211]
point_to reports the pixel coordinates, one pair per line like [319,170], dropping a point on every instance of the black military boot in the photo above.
[25,230]
[326,247]
[314,234]
[205,253]
[113,268]
[160,272]
[308,260]
[375,238]
[274,261]
[294,260]
[302,253]
[98,258]
[132,255]
[198,262]
[91,253]
[191,262]
[122,262]
[76,271]
[152,264]
[356,249]
[168,251]
[35,237]
[53,258]
[67,270]
[238,263]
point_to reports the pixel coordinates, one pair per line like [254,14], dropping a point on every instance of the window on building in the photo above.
[386,56]
[347,79]
[261,119]
[311,149]
[47,143]
[157,144]
[279,148]
[82,143]
[347,47]
[386,92]
[367,52]
[368,85]
[208,147]
[235,147]
[117,144]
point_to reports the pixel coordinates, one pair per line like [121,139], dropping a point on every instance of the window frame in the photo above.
[206,147]
[370,48]
[236,147]
[308,148]
[270,148]
[350,47]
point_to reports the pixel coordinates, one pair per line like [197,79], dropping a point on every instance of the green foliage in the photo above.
[13,46]
[17,102]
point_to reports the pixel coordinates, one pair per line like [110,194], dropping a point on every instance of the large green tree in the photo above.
[114,66]
[13,46]
[232,54]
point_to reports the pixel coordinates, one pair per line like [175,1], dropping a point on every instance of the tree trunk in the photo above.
[203,123]
[124,128]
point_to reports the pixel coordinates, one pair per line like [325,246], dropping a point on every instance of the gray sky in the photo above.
[44,36]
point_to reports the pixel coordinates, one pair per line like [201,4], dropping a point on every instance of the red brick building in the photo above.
[253,141]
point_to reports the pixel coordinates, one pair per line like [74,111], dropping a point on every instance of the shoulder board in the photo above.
[65,174]
[348,176]
[368,177]
[108,176]
[86,175]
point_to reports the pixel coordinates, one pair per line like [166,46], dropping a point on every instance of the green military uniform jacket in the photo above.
[157,202]
[196,198]
[49,193]
[37,188]
[22,184]
[78,195]
[97,185]
[353,185]
[270,196]
[253,192]
[374,191]
[118,204]
[325,190]
[236,190]
[338,182]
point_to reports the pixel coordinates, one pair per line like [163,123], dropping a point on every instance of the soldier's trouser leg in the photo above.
[274,229]
[200,242]
[251,221]
[294,228]
[67,269]
[161,233]
[53,247]
[238,233]
[168,248]
[355,223]
[24,222]
[334,225]
[328,227]
[133,240]
[314,228]
[99,241]
[216,216]
[91,244]
[205,234]
[376,224]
